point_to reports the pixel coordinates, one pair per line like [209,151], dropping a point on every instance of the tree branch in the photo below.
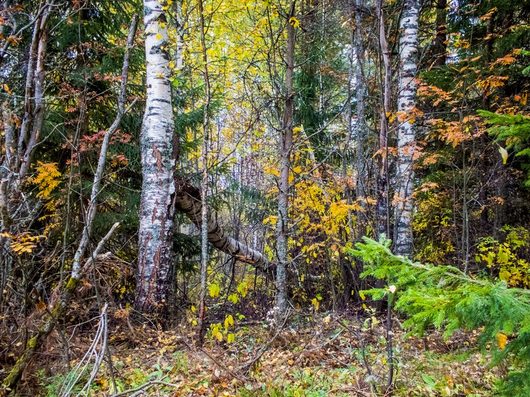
[188,201]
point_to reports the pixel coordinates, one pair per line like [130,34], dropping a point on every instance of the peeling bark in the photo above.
[408,44]
[156,146]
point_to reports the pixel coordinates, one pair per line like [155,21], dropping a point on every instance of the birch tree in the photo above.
[156,145]
[408,66]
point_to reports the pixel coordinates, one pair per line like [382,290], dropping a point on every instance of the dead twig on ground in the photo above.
[247,366]
[142,388]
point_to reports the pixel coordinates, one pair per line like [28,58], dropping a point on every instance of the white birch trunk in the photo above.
[158,188]
[408,67]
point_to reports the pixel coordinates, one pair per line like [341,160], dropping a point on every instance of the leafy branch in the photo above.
[446,298]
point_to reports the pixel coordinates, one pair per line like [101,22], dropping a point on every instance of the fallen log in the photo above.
[188,201]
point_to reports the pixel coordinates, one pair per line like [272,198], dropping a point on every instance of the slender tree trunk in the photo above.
[179,24]
[34,95]
[158,188]
[64,292]
[406,132]
[286,143]
[382,210]
[440,40]
[204,182]
[60,301]
[102,159]
[359,128]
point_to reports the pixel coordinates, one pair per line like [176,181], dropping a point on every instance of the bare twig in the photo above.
[95,353]
[98,176]
[247,366]
[145,386]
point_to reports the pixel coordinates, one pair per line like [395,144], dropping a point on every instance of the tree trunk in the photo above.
[382,209]
[34,95]
[440,40]
[286,143]
[56,310]
[188,201]
[359,128]
[156,145]
[62,295]
[204,182]
[406,132]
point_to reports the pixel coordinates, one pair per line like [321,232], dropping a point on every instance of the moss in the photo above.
[32,343]
[71,284]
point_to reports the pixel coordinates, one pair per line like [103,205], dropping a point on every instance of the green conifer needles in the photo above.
[448,299]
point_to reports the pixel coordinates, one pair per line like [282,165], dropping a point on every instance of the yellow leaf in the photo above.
[214,290]
[242,288]
[502,340]
[229,321]
[316,303]
[233,298]
[216,332]
[504,154]
[230,338]
[295,22]
[7,89]
[47,179]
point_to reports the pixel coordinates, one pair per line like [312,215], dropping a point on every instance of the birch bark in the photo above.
[408,68]
[158,188]
[188,201]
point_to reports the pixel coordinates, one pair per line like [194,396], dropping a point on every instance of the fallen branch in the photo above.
[247,366]
[188,201]
[95,353]
[144,387]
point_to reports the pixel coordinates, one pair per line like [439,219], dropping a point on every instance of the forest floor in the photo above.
[319,355]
